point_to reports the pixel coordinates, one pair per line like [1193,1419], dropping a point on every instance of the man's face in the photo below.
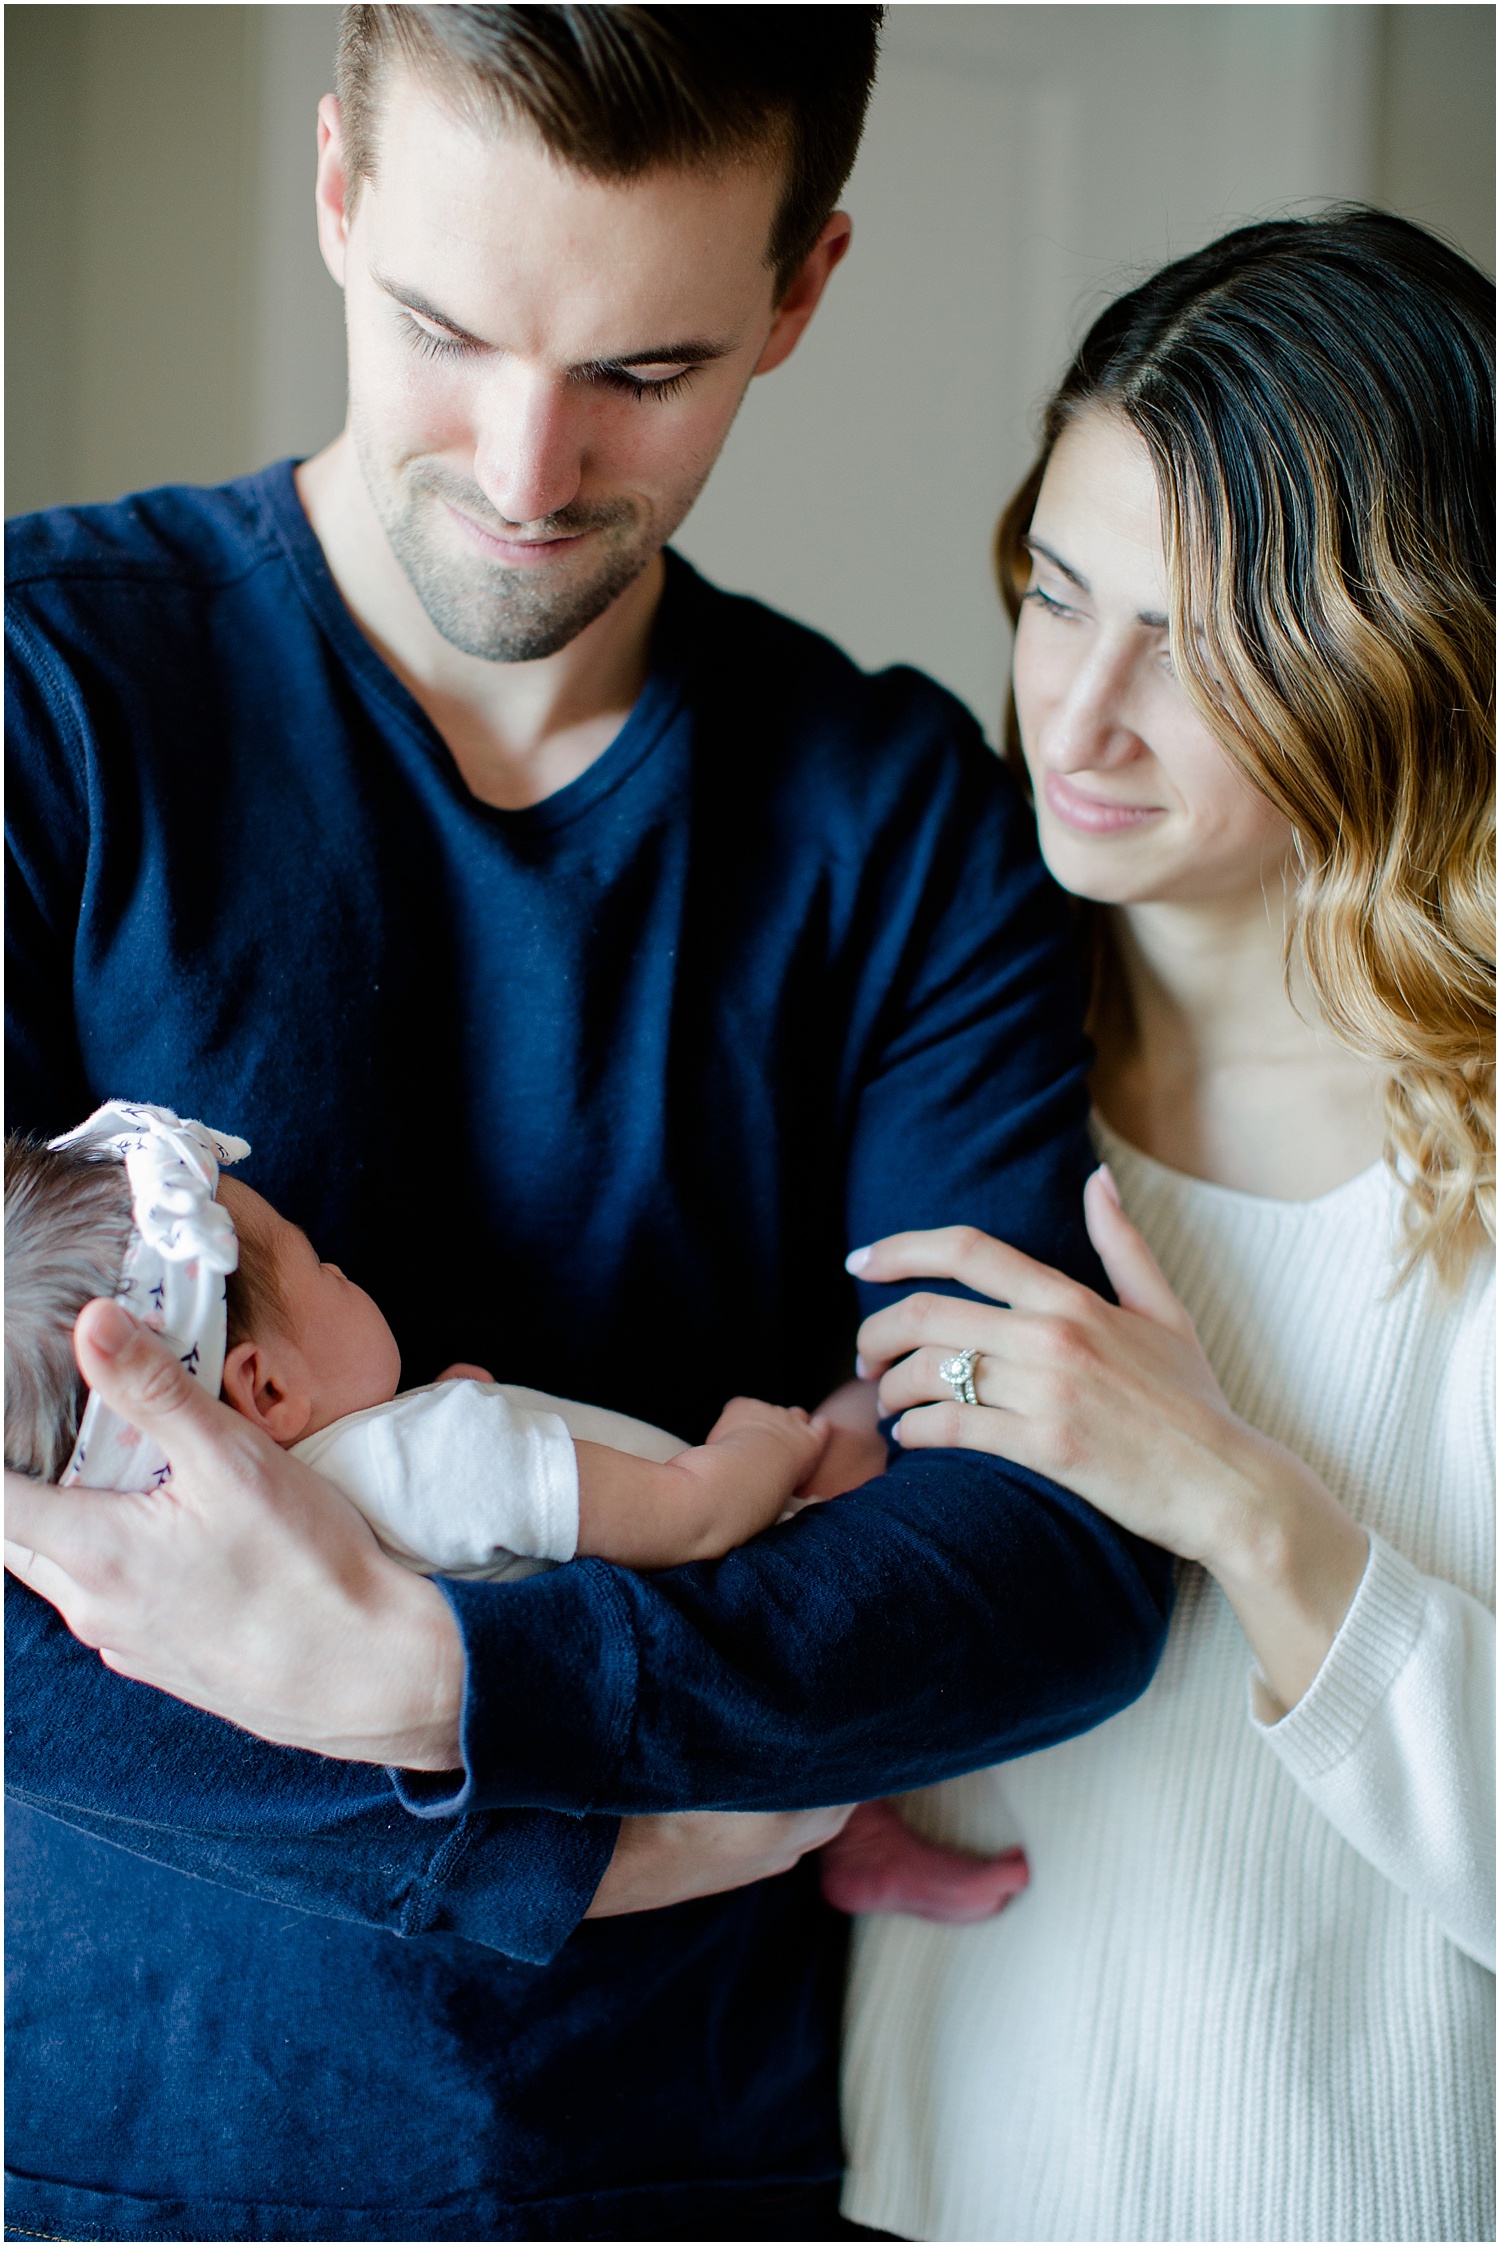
[542,367]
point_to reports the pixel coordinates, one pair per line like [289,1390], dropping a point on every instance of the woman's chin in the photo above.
[1124,868]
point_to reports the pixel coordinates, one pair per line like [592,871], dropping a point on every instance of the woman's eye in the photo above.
[1044,600]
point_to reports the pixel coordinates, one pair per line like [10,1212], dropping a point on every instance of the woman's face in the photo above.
[1136,801]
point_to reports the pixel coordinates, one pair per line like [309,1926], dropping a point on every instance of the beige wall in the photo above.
[169,317]
[167,314]
[130,141]
[1436,148]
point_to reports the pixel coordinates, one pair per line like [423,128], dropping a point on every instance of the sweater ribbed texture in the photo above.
[1243,1997]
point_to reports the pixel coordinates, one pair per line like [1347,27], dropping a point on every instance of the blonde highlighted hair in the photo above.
[1317,398]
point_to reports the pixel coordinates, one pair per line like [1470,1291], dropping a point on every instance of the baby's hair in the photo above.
[67,1227]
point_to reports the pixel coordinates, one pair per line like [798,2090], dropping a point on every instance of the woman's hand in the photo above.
[1121,1406]
[671,1859]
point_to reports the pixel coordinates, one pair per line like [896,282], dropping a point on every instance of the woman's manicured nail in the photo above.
[861,1369]
[896,1432]
[856,1260]
[1107,1178]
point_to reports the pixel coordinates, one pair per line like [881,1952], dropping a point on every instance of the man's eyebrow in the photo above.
[414,301]
[694,352]
[1151,617]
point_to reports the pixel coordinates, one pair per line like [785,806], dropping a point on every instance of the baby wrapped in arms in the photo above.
[466,1477]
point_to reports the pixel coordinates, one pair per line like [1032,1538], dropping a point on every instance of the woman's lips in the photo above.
[1092,814]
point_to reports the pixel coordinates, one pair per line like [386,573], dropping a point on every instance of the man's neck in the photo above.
[517,731]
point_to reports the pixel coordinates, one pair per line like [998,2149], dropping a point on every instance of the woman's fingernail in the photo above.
[861,1369]
[896,1432]
[1107,1177]
[111,1329]
[856,1260]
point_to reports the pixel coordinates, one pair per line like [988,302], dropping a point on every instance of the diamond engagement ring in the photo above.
[958,1372]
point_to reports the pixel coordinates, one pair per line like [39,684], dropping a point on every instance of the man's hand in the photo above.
[247,1586]
[671,1859]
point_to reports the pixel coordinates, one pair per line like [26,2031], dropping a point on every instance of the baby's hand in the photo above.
[801,1440]
[856,1451]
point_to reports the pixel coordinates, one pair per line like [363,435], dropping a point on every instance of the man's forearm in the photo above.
[160,1780]
[953,1614]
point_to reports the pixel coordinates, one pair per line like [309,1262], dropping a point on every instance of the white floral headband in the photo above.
[182,1248]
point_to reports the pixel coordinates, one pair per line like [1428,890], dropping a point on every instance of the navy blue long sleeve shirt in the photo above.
[598,1093]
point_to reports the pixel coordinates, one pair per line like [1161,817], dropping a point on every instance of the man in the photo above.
[591,961]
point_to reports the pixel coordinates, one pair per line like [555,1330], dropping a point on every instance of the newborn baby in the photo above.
[466,1477]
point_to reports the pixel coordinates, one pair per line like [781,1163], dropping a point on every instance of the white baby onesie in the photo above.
[472,1478]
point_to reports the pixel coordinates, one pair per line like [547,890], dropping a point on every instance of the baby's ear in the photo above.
[261,1392]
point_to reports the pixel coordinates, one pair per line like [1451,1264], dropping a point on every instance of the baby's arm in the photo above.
[704,1502]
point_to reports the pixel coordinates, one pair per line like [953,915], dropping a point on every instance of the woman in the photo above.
[1248,1993]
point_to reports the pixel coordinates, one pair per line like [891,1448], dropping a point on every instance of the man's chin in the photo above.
[501,615]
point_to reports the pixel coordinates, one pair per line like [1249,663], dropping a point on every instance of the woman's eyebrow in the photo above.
[1152,618]
[1040,546]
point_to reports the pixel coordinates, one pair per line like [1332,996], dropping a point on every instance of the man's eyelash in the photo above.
[621,378]
[435,346]
[430,345]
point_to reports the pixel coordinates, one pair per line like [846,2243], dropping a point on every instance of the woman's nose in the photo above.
[1089,724]
[528,460]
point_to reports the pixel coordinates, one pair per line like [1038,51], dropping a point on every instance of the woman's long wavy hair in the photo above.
[1317,396]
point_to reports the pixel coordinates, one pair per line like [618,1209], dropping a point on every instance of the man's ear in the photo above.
[261,1391]
[331,194]
[803,296]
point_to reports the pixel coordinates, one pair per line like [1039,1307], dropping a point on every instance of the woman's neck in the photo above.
[1207,1064]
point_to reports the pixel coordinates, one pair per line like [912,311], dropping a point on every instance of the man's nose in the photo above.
[528,458]
[1090,724]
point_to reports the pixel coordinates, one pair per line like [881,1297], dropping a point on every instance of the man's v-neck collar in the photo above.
[656,707]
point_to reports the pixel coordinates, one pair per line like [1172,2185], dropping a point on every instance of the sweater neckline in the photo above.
[1376,1178]
[658,705]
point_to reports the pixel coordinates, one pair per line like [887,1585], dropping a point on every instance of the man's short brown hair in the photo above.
[619,91]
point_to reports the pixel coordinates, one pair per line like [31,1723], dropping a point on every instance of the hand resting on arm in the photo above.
[1121,1405]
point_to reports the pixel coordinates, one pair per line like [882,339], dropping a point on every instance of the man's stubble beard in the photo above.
[484,609]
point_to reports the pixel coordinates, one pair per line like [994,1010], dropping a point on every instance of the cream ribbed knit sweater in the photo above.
[1246,1995]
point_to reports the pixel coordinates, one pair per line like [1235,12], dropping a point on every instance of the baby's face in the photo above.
[348,1354]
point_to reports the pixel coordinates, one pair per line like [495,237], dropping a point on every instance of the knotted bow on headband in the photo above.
[182,1247]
